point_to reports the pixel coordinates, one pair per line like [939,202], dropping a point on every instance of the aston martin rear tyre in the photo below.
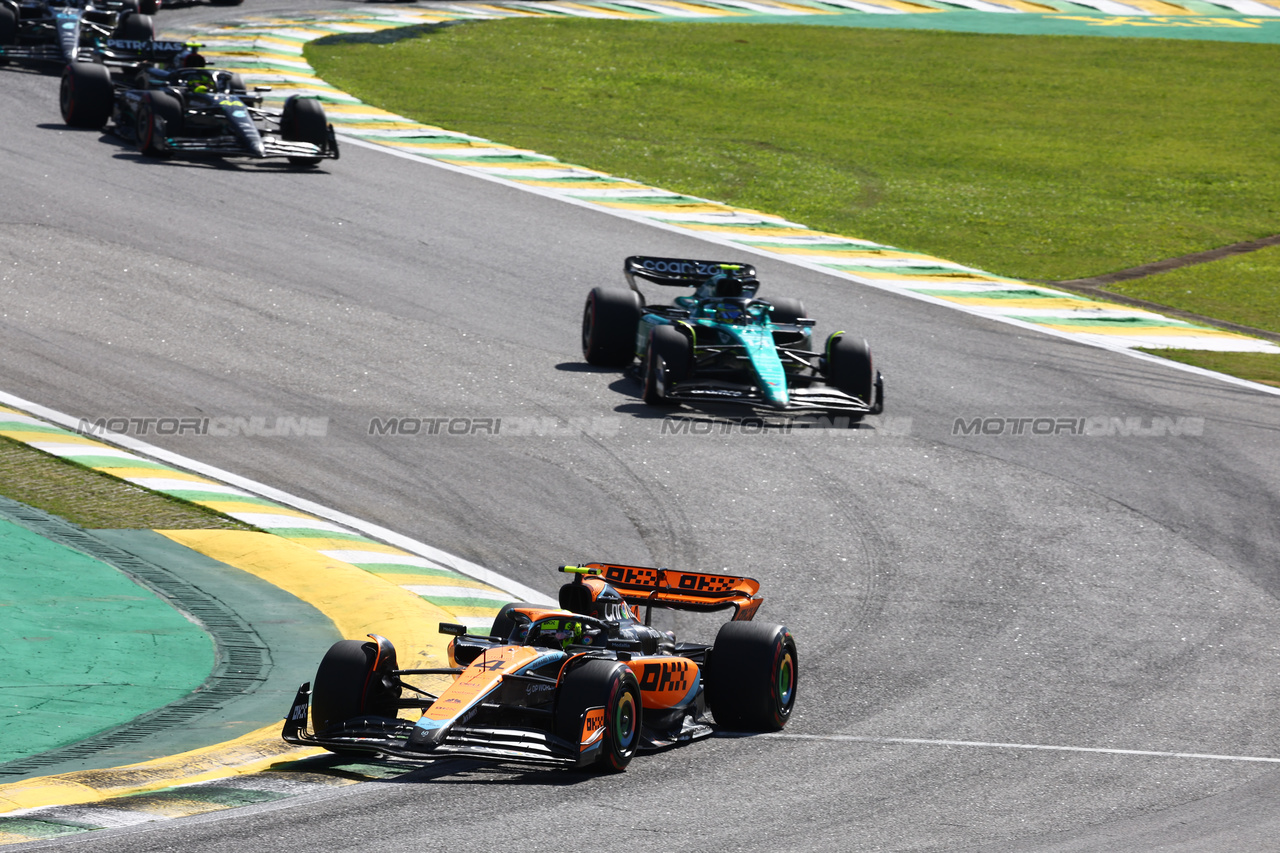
[599,701]
[610,321]
[751,676]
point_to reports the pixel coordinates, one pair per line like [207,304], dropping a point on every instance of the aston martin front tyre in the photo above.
[599,704]
[303,120]
[850,369]
[751,676]
[86,95]
[667,362]
[610,321]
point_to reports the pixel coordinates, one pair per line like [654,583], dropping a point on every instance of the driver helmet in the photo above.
[731,312]
[201,83]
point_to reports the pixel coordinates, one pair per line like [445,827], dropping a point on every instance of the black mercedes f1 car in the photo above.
[187,109]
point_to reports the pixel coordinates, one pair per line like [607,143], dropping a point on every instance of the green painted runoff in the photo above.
[83,647]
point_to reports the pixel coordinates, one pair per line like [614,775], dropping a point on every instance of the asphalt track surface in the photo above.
[1008,642]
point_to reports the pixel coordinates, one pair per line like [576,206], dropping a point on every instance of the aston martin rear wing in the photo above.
[677,272]
[675,589]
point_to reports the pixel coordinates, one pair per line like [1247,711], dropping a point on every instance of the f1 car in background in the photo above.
[185,108]
[62,31]
[722,344]
[587,685]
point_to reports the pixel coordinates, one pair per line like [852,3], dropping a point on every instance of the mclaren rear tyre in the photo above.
[135,27]
[156,110]
[752,676]
[849,368]
[86,95]
[303,120]
[667,362]
[352,681]
[609,324]
[599,702]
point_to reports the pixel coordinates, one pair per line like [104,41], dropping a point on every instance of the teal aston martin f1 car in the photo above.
[720,343]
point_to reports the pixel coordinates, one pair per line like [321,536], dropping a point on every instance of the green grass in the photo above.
[1254,366]
[1242,289]
[1035,157]
[92,499]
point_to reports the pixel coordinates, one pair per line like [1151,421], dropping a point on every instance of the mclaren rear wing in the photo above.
[674,589]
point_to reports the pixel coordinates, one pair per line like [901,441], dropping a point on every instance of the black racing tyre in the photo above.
[609,324]
[667,361]
[8,29]
[611,685]
[236,84]
[751,676]
[347,685]
[225,2]
[786,310]
[849,367]
[504,623]
[129,7]
[86,95]
[303,121]
[157,106]
[136,28]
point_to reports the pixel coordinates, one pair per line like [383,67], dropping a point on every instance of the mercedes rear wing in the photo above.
[674,589]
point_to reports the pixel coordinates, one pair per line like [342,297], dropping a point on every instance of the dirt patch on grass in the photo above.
[92,499]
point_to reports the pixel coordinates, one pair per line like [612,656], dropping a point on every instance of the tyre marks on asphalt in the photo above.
[269,51]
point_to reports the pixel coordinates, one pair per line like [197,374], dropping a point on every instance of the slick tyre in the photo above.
[786,311]
[352,681]
[594,685]
[303,120]
[8,29]
[504,623]
[752,676]
[849,367]
[86,95]
[136,27]
[609,323]
[668,360]
[156,109]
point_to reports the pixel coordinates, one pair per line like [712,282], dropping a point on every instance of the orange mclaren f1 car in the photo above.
[587,685]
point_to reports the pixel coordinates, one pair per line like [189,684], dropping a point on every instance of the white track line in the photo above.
[1097,750]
